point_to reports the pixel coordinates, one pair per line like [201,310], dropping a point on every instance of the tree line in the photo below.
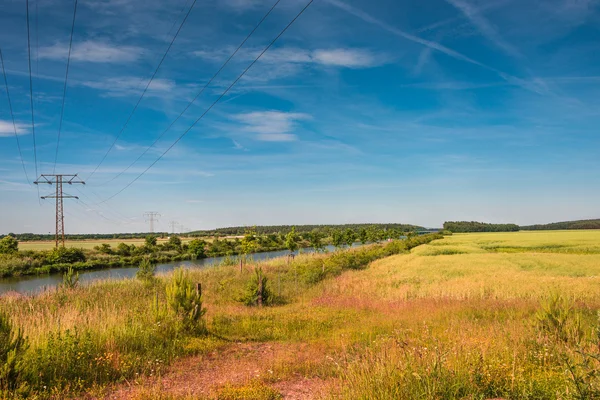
[580,224]
[284,229]
[27,262]
[473,226]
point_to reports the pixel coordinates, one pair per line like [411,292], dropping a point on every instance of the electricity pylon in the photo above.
[173,224]
[58,181]
[151,216]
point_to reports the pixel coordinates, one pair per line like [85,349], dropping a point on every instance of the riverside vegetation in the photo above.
[466,316]
[15,262]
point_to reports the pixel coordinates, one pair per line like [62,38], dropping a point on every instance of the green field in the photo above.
[469,316]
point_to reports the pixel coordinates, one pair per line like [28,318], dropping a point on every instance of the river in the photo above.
[38,283]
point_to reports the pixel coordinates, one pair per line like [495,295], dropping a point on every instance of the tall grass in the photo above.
[118,330]
[404,319]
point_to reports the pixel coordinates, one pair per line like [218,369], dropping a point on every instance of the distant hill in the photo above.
[269,229]
[581,224]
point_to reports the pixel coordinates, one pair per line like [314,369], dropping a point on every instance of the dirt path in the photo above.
[275,364]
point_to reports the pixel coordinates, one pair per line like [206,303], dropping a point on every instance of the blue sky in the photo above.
[363,111]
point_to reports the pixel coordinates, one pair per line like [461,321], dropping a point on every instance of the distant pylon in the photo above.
[151,216]
[58,180]
[173,224]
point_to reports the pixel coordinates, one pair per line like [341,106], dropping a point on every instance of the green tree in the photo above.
[249,243]
[146,271]
[104,248]
[9,245]
[291,240]
[349,237]
[363,235]
[64,255]
[185,301]
[174,242]
[150,240]
[196,248]
[337,238]
[316,241]
[258,292]
[123,249]
[373,234]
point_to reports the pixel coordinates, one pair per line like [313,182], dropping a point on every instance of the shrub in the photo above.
[9,245]
[63,255]
[150,241]
[196,248]
[12,347]
[258,289]
[146,271]
[185,301]
[70,279]
[124,250]
[104,248]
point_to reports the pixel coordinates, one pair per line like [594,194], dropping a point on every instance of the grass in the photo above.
[452,319]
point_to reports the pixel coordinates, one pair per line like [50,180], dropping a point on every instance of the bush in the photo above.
[12,347]
[185,301]
[258,289]
[146,271]
[9,245]
[70,279]
[63,255]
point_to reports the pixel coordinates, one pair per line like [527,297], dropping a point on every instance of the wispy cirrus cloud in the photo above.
[7,128]
[131,85]
[488,30]
[92,51]
[336,57]
[271,126]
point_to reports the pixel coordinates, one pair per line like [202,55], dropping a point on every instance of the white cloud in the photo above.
[338,57]
[272,126]
[7,129]
[348,58]
[92,51]
[130,85]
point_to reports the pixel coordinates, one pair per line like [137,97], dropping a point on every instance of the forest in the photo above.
[472,226]
[581,224]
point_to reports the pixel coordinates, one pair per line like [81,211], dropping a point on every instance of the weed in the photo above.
[253,391]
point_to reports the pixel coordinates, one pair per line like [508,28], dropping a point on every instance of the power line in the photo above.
[216,101]
[31,96]
[117,217]
[145,89]
[198,94]
[62,110]
[12,115]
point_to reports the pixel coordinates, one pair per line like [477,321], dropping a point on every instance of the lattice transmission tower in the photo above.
[58,180]
[152,217]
